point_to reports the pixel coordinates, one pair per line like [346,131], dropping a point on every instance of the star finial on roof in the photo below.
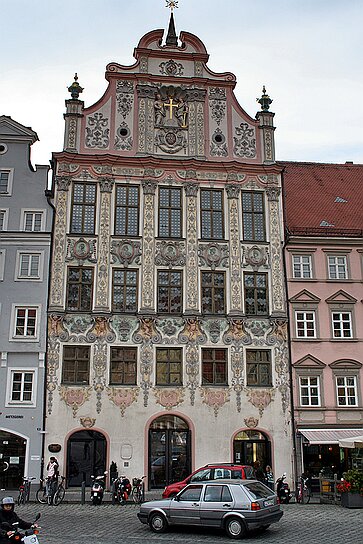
[265,100]
[172,4]
[75,89]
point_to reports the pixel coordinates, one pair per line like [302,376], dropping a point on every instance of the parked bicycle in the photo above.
[24,491]
[137,491]
[51,494]
[41,494]
[303,493]
[59,492]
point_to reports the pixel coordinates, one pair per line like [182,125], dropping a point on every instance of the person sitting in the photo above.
[7,518]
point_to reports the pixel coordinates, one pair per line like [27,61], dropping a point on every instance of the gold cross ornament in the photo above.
[170,105]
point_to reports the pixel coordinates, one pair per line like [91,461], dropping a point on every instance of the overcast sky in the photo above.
[308,53]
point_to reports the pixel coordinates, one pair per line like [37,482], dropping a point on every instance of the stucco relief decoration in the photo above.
[74,398]
[192,332]
[142,125]
[56,327]
[255,256]
[214,398]
[124,327]
[63,182]
[77,325]
[146,368]
[213,255]
[123,397]
[169,398]
[236,333]
[53,355]
[171,119]
[233,191]
[101,330]
[87,422]
[124,97]
[144,65]
[170,329]
[257,328]
[273,195]
[217,103]
[251,422]
[192,370]
[214,328]
[147,331]
[59,241]
[200,128]
[99,372]
[97,132]
[66,168]
[81,250]
[261,399]
[148,266]
[245,141]
[171,68]
[125,252]
[218,145]
[191,191]
[170,254]
[123,139]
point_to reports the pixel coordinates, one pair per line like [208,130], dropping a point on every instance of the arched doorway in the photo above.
[86,456]
[169,451]
[250,446]
[12,459]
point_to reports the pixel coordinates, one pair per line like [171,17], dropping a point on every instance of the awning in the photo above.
[328,436]
[355,442]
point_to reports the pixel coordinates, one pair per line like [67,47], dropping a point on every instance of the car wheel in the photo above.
[157,523]
[235,528]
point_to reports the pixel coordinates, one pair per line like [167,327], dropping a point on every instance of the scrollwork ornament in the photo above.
[192,332]
[74,397]
[260,398]
[147,331]
[125,252]
[245,141]
[123,397]
[170,254]
[214,398]
[169,398]
[213,255]
[236,333]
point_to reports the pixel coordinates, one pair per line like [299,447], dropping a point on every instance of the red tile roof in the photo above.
[325,198]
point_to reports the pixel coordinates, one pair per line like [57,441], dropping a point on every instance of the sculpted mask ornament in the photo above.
[169,398]
[251,422]
[87,422]
[214,398]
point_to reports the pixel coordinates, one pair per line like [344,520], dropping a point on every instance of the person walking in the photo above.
[270,482]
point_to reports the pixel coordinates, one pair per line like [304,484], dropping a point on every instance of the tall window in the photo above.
[309,391]
[3,220]
[33,221]
[169,366]
[29,265]
[342,324]
[256,293]
[83,208]
[123,366]
[79,289]
[214,366]
[76,365]
[124,290]
[305,324]
[127,210]
[22,385]
[337,267]
[212,214]
[25,322]
[302,266]
[253,216]
[258,368]
[170,292]
[213,293]
[347,391]
[4,182]
[170,212]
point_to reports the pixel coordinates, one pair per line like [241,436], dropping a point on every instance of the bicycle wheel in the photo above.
[41,496]
[21,498]
[59,495]
[306,495]
[138,496]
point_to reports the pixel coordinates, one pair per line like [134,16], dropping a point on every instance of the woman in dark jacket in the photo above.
[8,516]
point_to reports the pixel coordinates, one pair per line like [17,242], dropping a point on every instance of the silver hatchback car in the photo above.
[233,505]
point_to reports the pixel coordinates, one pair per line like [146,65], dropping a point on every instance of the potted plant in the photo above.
[351,489]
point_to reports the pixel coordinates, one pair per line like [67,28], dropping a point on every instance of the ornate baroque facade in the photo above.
[167,291]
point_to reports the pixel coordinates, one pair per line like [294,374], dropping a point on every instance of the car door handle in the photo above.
[195,504]
[226,506]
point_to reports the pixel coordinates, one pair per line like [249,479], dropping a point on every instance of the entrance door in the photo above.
[86,456]
[169,451]
[12,460]
[251,446]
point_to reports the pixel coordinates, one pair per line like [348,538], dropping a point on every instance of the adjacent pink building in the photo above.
[323,251]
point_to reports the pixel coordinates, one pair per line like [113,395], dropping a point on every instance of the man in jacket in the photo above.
[8,516]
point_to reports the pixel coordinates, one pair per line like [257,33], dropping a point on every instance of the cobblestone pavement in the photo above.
[111,524]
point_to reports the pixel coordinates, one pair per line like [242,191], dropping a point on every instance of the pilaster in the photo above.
[148,248]
[103,264]
[192,273]
[278,298]
[236,304]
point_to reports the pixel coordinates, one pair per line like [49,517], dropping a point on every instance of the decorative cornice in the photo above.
[149,186]
[233,190]
[191,188]
[106,184]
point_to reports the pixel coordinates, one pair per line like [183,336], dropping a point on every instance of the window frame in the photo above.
[214,362]
[124,288]
[80,283]
[309,386]
[168,362]
[24,211]
[301,256]
[75,360]
[19,255]
[305,321]
[125,362]
[83,204]
[9,388]
[341,321]
[255,289]
[336,265]
[212,311]
[2,263]
[169,287]
[346,387]
[259,365]
[10,172]
[211,210]
[253,213]
[5,214]
[170,208]
[13,337]
[127,207]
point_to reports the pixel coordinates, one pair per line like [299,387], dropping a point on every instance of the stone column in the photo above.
[236,304]
[148,248]
[72,119]
[266,119]
[103,262]
[278,305]
[56,296]
[192,304]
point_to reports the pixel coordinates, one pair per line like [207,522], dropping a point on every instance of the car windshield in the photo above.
[258,490]
[201,475]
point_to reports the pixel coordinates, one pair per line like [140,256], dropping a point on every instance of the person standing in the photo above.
[270,478]
[259,473]
[52,475]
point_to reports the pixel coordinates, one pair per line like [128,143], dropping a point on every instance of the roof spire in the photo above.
[75,89]
[171,39]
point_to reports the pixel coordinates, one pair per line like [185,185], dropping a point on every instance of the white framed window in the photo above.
[305,324]
[2,263]
[302,266]
[25,320]
[337,265]
[33,220]
[21,389]
[347,390]
[3,220]
[6,181]
[309,390]
[342,324]
[29,266]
